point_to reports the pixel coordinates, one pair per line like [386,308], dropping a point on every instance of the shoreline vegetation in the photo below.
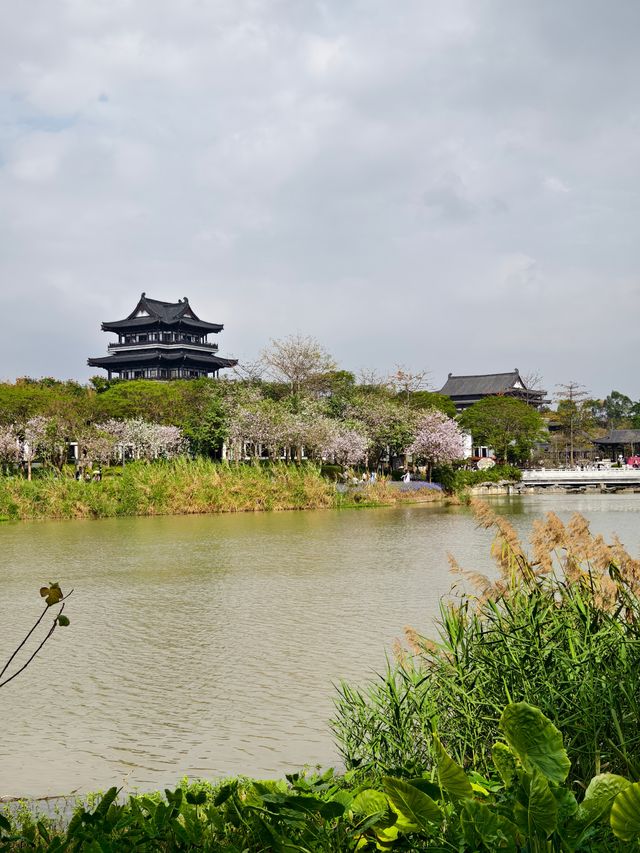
[189,487]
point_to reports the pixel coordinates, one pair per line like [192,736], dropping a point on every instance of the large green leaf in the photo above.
[625,813]
[417,809]
[372,803]
[535,740]
[599,797]
[505,763]
[542,807]
[451,776]
[482,824]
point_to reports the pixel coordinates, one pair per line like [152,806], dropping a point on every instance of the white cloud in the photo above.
[380,179]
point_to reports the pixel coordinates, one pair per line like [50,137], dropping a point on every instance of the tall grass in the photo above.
[559,628]
[182,486]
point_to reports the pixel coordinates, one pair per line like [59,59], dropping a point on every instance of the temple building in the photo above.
[162,340]
[467,390]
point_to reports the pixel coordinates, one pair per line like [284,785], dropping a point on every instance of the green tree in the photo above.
[504,423]
[618,408]
[432,400]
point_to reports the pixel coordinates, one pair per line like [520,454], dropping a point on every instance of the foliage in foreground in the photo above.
[559,629]
[524,805]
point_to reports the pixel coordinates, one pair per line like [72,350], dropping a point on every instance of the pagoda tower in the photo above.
[162,340]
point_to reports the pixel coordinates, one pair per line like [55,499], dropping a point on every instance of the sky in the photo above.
[450,185]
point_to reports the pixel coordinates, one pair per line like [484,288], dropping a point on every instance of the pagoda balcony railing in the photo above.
[123,345]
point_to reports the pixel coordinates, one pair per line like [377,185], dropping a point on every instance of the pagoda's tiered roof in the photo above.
[162,340]
[155,313]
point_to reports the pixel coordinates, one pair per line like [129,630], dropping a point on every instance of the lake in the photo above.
[209,645]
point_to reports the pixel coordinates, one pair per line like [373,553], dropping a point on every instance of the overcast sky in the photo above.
[440,184]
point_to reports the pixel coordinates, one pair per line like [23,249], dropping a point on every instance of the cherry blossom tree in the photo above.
[438,441]
[34,440]
[10,449]
[348,446]
[145,440]
[296,359]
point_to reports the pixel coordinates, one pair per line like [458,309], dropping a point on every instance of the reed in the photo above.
[558,627]
[183,486]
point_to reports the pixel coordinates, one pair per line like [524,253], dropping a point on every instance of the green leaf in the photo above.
[535,741]
[542,808]
[599,797]
[625,813]
[418,809]
[196,799]
[481,823]
[371,803]
[426,786]
[505,763]
[451,776]
[224,793]
[63,621]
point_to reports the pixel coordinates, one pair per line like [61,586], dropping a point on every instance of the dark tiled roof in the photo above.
[166,313]
[213,362]
[620,436]
[475,385]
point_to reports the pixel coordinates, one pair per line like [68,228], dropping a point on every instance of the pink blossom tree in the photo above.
[347,446]
[438,441]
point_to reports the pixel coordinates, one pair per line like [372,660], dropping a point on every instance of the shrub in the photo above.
[560,629]
[524,804]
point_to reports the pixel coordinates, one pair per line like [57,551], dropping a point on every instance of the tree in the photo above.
[296,359]
[433,400]
[438,441]
[533,381]
[570,412]
[406,383]
[10,452]
[144,440]
[618,408]
[389,426]
[347,446]
[502,422]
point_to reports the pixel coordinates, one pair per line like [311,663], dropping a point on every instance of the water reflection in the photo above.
[208,645]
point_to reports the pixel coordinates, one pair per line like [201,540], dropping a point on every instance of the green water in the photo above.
[208,645]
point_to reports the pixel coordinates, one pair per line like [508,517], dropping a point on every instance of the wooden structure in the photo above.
[467,390]
[162,340]
[619,442]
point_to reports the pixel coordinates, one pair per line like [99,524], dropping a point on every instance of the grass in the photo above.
[167,488]
[186,486]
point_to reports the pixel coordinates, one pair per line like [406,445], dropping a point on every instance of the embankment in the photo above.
[185,487]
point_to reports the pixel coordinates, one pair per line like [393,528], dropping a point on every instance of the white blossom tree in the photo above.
[34,440]
[348,446]
[145,440]
[438,441]
[10,448]
[296,359]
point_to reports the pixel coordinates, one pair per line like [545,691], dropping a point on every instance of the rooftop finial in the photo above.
[143,295]
[185,299]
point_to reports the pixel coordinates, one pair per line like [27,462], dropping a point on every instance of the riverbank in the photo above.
[188,487]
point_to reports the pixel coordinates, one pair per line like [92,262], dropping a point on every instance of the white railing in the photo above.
[593,475]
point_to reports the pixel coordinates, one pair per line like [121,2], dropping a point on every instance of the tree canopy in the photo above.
[506,424]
